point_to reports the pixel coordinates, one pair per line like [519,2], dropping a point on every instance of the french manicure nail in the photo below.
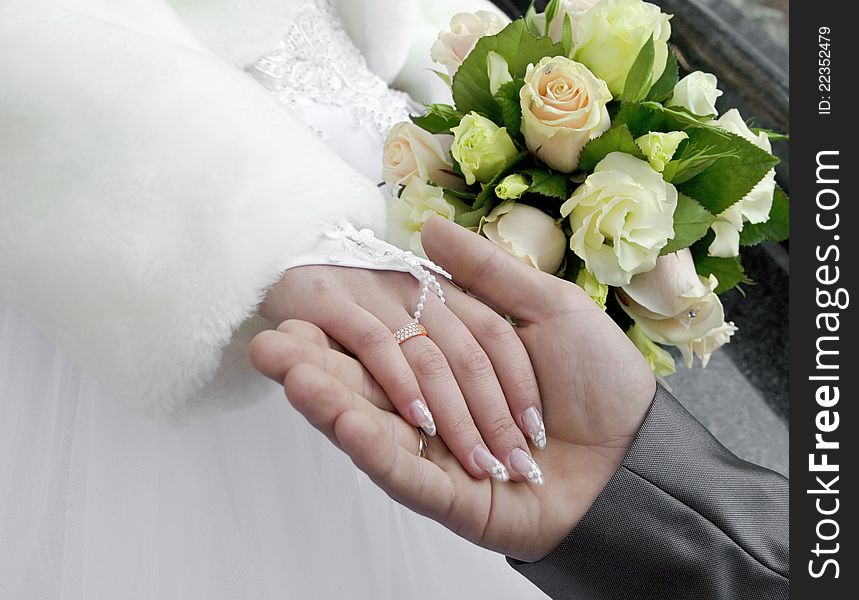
[484,459]
[522,463]
[533,422]
[422,416]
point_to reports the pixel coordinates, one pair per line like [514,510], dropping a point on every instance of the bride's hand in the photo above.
[472,372]
[595,385]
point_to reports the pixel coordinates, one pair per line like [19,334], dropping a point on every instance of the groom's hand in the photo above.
[595,387]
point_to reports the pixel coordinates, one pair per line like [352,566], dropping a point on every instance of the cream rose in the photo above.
[622,216]
[453,47]
[673,305]
[411,152]
[563,107]
[697,93]
[408,213]
[527,233]
[755,207]
[609,37]
[575,9]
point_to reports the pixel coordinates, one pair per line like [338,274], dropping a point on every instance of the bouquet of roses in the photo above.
[574,145]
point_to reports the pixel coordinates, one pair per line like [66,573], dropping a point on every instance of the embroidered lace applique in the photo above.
[317,63]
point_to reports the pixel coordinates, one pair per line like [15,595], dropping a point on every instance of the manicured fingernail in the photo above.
[532,420]
[484,459]
[522,463]
[423,417]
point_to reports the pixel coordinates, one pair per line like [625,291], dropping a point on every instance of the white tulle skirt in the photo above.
[99,502]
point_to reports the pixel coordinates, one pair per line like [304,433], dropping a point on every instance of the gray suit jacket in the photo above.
[682,518]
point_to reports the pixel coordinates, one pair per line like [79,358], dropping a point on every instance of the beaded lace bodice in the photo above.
[323,78]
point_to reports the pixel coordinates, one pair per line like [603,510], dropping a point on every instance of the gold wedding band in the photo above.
[423,444]
[409,331]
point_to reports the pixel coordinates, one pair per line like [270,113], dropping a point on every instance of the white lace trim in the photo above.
[317,63]
[363,245]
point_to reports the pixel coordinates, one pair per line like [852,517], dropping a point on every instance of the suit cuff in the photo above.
[681,518]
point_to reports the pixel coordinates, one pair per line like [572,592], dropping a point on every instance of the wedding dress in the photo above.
[154,180]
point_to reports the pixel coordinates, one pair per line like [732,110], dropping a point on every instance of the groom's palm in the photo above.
[595,387]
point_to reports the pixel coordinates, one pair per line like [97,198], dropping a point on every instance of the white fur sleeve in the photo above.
[149,196]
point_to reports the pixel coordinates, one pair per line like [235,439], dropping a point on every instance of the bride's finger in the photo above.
[509,359]
[274,353]
[309,331]
[322,399]
[389,459]
[484,397]
[374,344]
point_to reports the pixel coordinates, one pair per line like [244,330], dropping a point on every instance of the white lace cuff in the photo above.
[343,245]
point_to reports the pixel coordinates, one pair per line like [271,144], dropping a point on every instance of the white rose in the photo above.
[411,152]
[673,305]
[574,8]
[756,206]
[609,37]
[621,216]
[697,93]
[563,107]
[452,47]
[408,213]
[527,233]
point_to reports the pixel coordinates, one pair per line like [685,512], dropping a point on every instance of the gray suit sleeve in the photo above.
[683,518]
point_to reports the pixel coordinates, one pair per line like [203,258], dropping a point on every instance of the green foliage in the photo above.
[548,183]
[439,118]
[507,98]
[518,46]
[691,223]
[638,80]
[616,139]
[664,86]
[488,191]
[729,271]
[776,229]
[471,219]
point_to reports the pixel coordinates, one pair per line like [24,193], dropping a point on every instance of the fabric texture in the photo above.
[149,189]
[683,518]
[150,194]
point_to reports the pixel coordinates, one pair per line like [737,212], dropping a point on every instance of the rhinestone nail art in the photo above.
[423,417]
[522,463]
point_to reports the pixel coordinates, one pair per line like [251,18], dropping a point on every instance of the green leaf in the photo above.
[548,183]
[507,98]
[445,77]
[488,190]
[774,136]
[691,223]
[468,197]
[471,219]
[529,16]
[567,35]
[645,117]
[551,12]
[518,46]
[732,176]
[640,75]
[664,86]
[439,118]
[776,229]
[729,271]
[616,139]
